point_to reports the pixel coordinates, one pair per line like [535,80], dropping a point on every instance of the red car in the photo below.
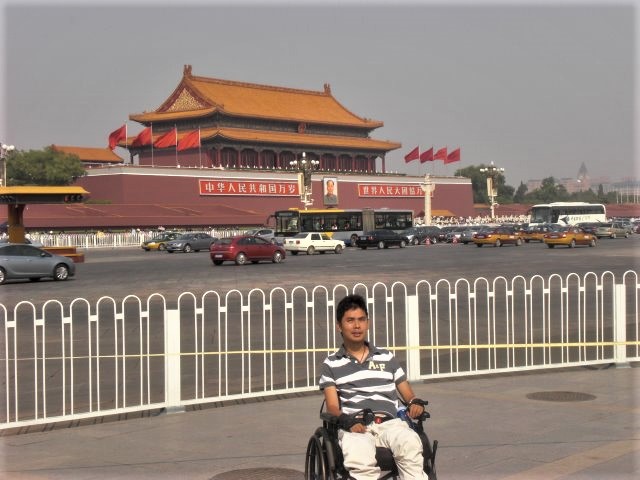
[245,248]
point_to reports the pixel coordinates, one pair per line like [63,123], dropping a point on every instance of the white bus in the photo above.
[567,213]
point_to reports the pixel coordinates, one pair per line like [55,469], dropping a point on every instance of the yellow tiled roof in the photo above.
[199,96]
[88,154]
[301,139]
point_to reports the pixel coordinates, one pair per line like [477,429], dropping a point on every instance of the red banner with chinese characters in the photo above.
[373,190]
[260,188]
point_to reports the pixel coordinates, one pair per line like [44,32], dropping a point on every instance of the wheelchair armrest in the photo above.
[329,418]
[424,416]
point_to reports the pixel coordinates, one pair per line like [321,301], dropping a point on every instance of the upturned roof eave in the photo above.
[161,117]
[286,138]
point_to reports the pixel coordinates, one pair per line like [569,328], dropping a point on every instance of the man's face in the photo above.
[354,325]
[330,187]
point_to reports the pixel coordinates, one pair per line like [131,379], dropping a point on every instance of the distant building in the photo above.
[91,157]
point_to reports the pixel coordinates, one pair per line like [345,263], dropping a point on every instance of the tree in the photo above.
[479,185]
[520,194]
[43,167]
[548,192]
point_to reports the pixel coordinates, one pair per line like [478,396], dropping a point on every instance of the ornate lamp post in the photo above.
[305,169]
[4,151]
[492,172]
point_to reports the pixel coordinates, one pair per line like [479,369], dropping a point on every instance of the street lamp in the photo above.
[492,172]
[4,151]
[305,168]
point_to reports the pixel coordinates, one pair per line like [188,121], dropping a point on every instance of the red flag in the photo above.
[168,139]
[117,135]
[412,155]
[143,138]
[453,156]
[441,154]
[190,140]
[427,156]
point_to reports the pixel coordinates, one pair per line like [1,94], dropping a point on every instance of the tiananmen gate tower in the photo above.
[219,153]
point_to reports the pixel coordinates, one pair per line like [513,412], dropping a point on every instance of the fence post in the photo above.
[173,394]
[413,338]
[620,326]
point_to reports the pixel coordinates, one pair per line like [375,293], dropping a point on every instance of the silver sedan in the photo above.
[20,261]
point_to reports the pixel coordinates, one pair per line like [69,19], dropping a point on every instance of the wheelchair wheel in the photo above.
[315,465]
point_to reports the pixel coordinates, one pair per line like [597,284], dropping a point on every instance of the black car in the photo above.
[381,239]
[418,235]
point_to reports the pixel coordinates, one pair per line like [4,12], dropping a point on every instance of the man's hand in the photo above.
[415,408]
[358,428]
[351,424]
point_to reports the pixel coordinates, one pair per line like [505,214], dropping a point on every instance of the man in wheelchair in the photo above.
[361,383]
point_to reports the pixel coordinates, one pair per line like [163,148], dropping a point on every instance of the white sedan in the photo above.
[313,242]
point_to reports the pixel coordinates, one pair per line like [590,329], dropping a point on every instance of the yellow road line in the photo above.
[501,346]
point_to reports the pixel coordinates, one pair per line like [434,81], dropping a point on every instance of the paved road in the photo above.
[125,271]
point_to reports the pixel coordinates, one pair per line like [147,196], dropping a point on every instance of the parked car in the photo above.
[19,261]
[569,236]
[612,230]
[442,234]
[466,235]
[590,227]
[266,233]
[536,233]
[190,242]
[245,248]
[381,239]
[454,235]
[419,234]
[159,241]
[497,237]
[313,242]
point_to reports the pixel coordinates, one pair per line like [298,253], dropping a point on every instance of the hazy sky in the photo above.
[536,87]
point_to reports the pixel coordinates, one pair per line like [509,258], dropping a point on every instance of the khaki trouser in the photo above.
[359,450]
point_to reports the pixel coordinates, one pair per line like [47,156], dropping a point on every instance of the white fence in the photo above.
[69,362]
[102,239]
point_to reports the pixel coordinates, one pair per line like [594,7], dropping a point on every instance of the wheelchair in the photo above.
[324,459]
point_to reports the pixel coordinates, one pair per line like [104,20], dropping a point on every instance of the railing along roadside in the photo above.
[88,360]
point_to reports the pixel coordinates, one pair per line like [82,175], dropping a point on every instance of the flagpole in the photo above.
[176,129]
[126,133]
[199,147]
[151,130]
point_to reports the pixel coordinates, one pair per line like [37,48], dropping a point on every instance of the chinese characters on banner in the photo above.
[290,189]
[371,190]
[248,187]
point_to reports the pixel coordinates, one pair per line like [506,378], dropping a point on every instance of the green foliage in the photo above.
[519,196]
[43,167]
[479,185]
[478,182]
[548,192]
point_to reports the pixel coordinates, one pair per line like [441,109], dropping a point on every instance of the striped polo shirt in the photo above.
[370,384]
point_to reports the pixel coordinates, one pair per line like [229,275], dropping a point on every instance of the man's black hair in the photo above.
[349,303]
